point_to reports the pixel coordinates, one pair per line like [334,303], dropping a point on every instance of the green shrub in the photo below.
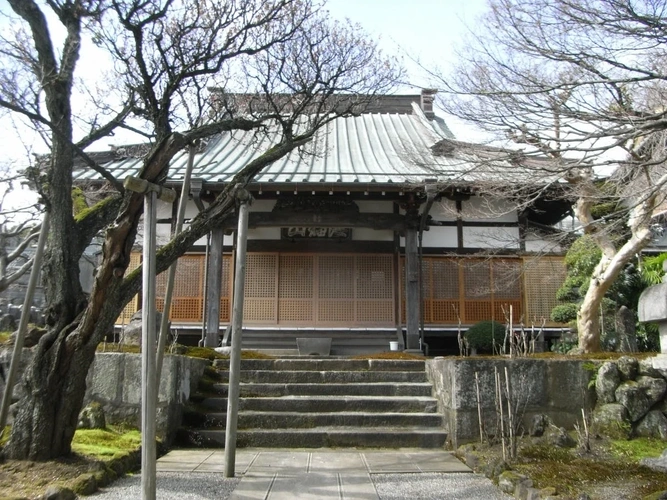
[483,335]
[564,313]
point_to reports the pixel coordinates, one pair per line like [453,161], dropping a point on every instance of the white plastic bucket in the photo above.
[393,346]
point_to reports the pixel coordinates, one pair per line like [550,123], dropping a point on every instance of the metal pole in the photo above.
[148,380]
[23,323]
[171,277]
[237,326]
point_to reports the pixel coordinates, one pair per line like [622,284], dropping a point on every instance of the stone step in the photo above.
[350,389]
[375,404]
[298,420]
[381,437]
[325,377]
[326,364]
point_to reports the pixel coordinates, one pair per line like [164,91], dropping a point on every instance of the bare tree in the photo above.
[582,83]
[163,56]
[19,226]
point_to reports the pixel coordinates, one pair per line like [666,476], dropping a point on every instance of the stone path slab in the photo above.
[311,474]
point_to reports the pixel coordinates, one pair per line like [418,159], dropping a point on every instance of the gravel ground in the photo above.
[173,486]
[201,486]
[435,486]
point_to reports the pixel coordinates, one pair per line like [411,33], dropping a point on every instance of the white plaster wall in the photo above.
[541,245]
[444,209]
[491,237]
[486,209]
[191,210]
[164,209]
[440,237]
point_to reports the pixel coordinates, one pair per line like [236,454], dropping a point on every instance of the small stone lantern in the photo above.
[653,308]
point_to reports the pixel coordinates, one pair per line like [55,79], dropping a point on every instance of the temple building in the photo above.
[379,232]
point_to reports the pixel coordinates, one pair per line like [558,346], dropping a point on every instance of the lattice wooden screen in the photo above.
[468,289]
[542,278]
[335,288]
[186,302]
[261,288]
[375,288]
[295,289]
[226,291]
[187,299]
[133,305]
[442,291]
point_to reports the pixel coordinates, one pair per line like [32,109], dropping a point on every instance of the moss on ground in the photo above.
[389,355]
[612,464]
[602,356]
[99,456]
[4,337]
[105,444]
[636,449]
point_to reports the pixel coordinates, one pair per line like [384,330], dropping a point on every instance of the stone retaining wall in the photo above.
[554,387]
[114,380]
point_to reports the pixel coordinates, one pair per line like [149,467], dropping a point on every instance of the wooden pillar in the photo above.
[214,285]
[237,331]
[148,340]
[412,309]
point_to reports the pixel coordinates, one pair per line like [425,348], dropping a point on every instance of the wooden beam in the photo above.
[393,222]
[320,246]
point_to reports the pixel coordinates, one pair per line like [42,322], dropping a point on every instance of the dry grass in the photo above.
[612,466]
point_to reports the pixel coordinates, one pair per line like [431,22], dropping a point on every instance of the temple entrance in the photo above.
[319,290]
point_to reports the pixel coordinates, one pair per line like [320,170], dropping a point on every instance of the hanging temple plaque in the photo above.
[323,233]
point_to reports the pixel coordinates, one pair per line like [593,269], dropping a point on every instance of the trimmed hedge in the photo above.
[482,335]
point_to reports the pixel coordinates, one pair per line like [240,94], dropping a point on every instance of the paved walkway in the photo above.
[340,474]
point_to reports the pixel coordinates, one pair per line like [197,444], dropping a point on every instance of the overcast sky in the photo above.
[428,30]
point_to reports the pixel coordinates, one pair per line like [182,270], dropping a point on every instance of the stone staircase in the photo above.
[311,403]
[343,342]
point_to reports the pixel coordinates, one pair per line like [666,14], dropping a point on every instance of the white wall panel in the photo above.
[440,237]
[542,245]
[491,237]
[444,209]
[486,209]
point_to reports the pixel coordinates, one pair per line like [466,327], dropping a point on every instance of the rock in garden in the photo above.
[7,323]
[92,417]
[658,464]
[510,480]
[646,369]
[58,493]
[558,436]
[495,468]
[634,398]
[629,367]
[538,425]
[658,495]
[654,388]
[653,425]
[612,420]
[606,383]
[131,334]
